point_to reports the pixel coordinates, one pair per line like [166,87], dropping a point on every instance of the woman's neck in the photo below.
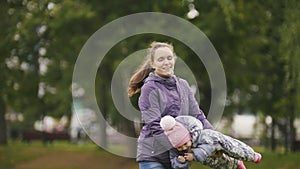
[163,77]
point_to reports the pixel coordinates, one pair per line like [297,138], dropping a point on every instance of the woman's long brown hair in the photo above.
[137,79]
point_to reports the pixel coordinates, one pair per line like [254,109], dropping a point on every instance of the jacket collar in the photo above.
[168,82]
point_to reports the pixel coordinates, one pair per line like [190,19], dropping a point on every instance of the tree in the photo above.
[7,36]
[44,36]
[289,50]
[267,50]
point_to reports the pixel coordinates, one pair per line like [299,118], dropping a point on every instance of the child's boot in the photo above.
[240,165]
[257,158]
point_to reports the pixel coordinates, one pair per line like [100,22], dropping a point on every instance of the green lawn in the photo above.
[63,155]
[60,155]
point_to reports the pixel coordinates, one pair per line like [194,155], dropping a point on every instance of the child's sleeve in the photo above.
[176,164]
[202,152]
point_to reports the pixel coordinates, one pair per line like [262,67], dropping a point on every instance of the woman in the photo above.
[162,93]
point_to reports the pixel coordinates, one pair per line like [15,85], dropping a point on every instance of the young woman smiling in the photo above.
[161,94]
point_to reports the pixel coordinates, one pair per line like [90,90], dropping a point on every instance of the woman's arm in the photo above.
[150,107]
[194,109]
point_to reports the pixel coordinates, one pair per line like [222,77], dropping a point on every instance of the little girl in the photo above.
[192,142]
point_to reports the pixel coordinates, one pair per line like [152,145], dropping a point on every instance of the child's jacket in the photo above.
[204,144]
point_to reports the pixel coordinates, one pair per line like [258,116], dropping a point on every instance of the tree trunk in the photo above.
[103,136]
[129,130]
[102,101]
[286,135]
[3,131]
[292,132]
[273,139]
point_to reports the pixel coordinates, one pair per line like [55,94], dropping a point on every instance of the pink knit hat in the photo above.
[175,131]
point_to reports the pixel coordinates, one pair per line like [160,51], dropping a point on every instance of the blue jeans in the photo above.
[150,165]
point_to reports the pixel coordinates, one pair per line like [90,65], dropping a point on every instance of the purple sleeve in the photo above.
[151,114]
[202,152]
[194,110]
[150,109]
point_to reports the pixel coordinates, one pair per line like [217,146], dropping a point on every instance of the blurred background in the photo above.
[257,42]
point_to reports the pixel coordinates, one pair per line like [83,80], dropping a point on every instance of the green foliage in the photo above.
[257,43]
[290,50]
[47,34]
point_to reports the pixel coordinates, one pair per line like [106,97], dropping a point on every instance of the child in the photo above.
[192,142]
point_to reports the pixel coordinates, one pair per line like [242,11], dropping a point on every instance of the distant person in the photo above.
[161,93]
[193,143]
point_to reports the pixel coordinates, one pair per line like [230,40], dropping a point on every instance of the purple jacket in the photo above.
[160,97]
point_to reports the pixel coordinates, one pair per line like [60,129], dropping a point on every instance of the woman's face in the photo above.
[163,62]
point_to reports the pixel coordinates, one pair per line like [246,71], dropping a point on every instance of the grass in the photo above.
[63,155]
[60,155]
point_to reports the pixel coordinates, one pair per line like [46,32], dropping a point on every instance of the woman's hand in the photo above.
[189,156]
[181,159]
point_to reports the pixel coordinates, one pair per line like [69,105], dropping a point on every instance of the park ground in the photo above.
[63,155]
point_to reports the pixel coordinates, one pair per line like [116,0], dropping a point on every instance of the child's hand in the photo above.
[189,156]
[181,159]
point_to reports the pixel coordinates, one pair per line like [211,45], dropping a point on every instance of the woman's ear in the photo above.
[175,56]
[151,64]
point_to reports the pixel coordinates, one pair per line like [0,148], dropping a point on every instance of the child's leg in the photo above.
[236,148]
[223,162]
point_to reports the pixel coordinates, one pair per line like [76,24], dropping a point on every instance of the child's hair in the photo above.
[137,79]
